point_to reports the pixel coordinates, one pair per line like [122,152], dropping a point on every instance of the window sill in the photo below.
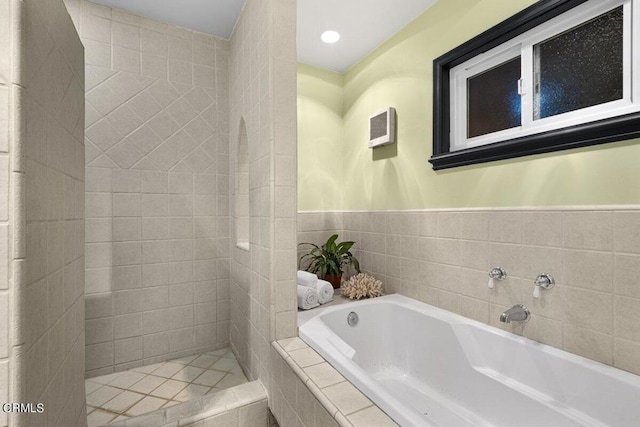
[584,135]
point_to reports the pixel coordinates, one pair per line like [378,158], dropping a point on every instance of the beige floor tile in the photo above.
[214,390]
[147,404]
[168,370]
[147,384]
[149,368]
[204,361]
[90,386]
[192,391]
[226,365]
[123,401]
[120,395]
[102,395]
[188,374]
[209,378]
[237,370]
[169,389]
[220,353]
[231,380]
[99,417]
[127,379]
[185,360]
[106,379]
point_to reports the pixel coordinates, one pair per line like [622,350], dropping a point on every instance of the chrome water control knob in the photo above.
[543,281]
[496,273]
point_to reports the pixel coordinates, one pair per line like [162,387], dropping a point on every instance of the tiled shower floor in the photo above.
[121,395]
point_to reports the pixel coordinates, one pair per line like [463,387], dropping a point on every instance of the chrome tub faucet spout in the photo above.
[517,313]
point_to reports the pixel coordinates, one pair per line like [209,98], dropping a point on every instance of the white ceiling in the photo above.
[363,24]
[215,17]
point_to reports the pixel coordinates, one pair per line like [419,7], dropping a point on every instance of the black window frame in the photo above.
[612,129]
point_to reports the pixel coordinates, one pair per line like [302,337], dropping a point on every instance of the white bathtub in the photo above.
[427,367]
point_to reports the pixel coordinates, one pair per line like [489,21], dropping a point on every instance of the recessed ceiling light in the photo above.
[330,36]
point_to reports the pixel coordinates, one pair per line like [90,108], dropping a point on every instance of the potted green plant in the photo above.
[328,260]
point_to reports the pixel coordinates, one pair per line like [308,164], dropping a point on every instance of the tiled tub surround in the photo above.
[442,257]
[312,393]
[120,395]
[157,228]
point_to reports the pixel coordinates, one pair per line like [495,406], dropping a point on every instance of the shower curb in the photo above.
[208,406]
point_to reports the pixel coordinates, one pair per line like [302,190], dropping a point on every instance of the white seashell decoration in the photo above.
[362,286]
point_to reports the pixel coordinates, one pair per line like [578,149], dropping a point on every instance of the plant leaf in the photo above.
[331,243]
[335,270]
[344,247]
[330,258]
[355,263]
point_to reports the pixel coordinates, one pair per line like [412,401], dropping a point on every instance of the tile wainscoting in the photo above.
[442,257]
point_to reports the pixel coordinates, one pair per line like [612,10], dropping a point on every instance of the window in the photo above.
[562,79]
[492,100]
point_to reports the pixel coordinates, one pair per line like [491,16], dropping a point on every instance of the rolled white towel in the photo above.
[307,279]
[307,297]
[325,291]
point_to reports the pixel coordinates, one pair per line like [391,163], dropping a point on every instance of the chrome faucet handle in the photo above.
[498,273]
[544,281]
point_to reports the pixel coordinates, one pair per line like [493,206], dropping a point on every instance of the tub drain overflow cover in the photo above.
[352,318]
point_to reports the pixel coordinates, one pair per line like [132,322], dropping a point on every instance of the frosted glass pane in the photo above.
[579,68]
[493,102]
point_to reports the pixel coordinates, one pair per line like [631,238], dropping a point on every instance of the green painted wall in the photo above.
[320,145]
[399,74]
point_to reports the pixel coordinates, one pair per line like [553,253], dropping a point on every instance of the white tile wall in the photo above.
[156,133]
[41,218]
[262,73]
[5,255]
[442,258]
